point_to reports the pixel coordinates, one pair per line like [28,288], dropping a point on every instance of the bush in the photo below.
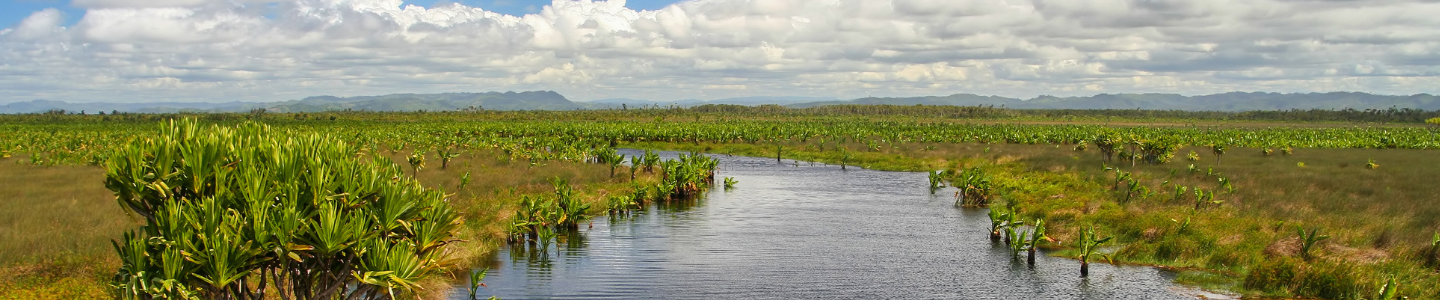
[1288,276]
[231,210]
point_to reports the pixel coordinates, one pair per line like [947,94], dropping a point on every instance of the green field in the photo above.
[1367,183]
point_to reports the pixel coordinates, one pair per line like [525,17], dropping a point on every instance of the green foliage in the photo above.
[975,185]
[477,280]
[417,161]
[231,210]
[937,181]
[1432,254]
[1287,276]
[1389,291]
[1433,121]
[1089,244]
[1218,150]
[1308,241]
[1160,150]
[730,182]
[446,154]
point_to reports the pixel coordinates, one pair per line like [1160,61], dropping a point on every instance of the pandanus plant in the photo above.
[635,162]
[1218,150]
[1089,244]
[1034,239]
[998,217]
[1308,241]
[975,188]
[464,180]
[1106,145]
[651,159]
[1179,193]
[1390,290]
[937,181]
[446,154]
[1203,198]
[477,280]
[248,212]
[417,161]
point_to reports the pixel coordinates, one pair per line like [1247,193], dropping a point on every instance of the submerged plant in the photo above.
[730,182]
[1089,244]
[936,181]
[1034,239]
[975,188]
[1372,165]
[998,219]
[477,280]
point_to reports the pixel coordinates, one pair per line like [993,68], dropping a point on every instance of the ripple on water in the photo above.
[808,231]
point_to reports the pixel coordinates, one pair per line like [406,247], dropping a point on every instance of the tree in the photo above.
[243,212]
[1218,149]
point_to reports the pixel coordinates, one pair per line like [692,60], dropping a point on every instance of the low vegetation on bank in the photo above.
[1240,208]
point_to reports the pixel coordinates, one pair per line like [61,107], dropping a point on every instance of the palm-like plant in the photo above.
[998,219]
[1308,241]
[417,161]
[446,154]
[464,180]
[1389,291]
[477,280]
[231,211]
[1218,150]
[1089,244]
[936,181]
[1034,239]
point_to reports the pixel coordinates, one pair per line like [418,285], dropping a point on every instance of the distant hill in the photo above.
[540,100]
[35,106]
[1235,101]
[549,100]
[748,101]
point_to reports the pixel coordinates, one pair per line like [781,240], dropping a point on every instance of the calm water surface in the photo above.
[801,231]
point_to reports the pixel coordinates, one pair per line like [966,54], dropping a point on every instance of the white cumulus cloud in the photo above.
[212,50]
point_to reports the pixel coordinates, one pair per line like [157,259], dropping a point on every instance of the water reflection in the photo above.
[793,230]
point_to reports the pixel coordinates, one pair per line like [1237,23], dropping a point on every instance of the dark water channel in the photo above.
[801,231]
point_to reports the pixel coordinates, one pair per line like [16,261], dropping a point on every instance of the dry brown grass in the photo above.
[55,229]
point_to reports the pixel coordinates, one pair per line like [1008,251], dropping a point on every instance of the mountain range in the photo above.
[550,100]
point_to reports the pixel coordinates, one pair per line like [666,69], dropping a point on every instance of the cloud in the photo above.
[39,25]
[211,50]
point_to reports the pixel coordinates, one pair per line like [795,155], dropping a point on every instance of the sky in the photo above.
[263,50]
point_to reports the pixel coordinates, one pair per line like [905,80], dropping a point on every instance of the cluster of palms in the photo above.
[250,212]
[539,220]
[1006,226]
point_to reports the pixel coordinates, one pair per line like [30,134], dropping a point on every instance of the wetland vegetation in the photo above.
[1343,210]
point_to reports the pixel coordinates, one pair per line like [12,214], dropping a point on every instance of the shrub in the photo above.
[230,211]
